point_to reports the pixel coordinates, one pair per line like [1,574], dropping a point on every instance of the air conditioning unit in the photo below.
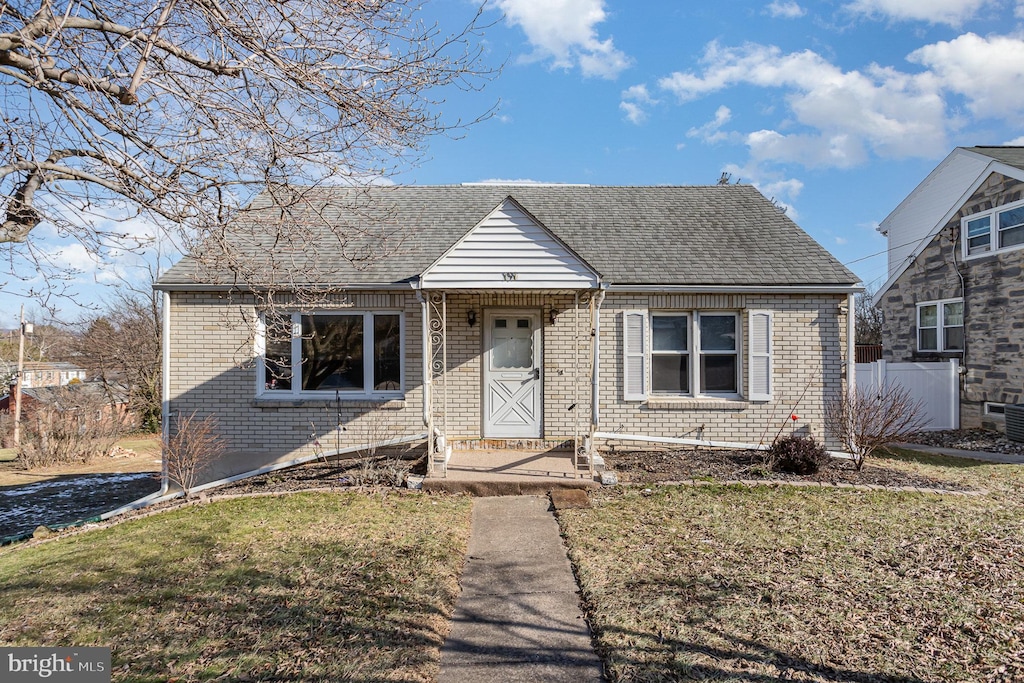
[1015,422]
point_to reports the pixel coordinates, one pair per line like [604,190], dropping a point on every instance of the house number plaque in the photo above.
[509,277]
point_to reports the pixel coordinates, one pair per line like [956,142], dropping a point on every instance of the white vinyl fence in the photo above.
[936,385]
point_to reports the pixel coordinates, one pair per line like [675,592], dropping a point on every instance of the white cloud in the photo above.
[565,31]
[772,184]
[1016,142]
[842,240]
[890,113]
[952,12]
[988,72]
[786,9]
[711,131]
[634,99]
[633,112]
[1018,11]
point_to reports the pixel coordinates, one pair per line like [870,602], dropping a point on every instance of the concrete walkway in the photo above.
[960,453]
[518,618]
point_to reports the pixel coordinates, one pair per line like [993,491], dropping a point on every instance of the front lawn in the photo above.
[315,586]
[769,584]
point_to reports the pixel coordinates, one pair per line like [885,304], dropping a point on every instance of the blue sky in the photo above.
[836,109]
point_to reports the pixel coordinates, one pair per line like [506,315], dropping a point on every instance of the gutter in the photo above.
[736,289]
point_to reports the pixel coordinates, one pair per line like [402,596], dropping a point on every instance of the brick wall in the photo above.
[993,293]
[213,372]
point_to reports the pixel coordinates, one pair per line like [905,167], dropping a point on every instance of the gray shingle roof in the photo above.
[703,235]
[1012,156]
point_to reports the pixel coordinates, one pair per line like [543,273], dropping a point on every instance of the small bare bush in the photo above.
[190,448]
[76,424]
[380,465]
[873,418]
[797,455]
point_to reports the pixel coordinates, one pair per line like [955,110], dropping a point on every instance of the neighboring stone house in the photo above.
[955,286]
[540,316]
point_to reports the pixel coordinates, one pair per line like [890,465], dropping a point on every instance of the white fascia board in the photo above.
[339,287]
[992,167]
[736,289]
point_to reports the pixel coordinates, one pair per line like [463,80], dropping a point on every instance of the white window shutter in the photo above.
[760,356]
[634,355]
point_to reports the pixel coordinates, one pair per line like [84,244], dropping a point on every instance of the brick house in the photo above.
[955,287]
[523,315]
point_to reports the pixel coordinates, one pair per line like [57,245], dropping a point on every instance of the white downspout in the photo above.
[595,371]
[165,388]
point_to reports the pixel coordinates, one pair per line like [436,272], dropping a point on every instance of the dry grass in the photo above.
[771,584]
[301,587]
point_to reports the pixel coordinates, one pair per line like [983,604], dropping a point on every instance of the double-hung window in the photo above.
[694,354]
[349,353]
[997,229]
[940,325]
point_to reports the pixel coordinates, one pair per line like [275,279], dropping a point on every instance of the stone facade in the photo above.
[213,371]
[992,289]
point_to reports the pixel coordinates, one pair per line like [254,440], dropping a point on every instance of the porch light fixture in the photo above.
[554,315]
[471,317]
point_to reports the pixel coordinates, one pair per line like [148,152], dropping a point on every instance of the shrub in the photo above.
[797,455]
[873,418]
[190,448]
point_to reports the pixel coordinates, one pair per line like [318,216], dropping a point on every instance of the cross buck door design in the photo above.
[512,374]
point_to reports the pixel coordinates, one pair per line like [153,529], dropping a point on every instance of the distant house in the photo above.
[45,374]
[105,400]
[956,286]
[517,316]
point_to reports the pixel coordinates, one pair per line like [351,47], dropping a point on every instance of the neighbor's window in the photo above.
[940,325]
[1008,232]
[354,353]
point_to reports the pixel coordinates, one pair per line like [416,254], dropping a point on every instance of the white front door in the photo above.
[512,374]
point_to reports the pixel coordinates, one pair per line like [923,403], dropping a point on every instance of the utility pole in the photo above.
[23,329]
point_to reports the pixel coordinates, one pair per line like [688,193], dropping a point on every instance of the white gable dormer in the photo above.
[509,249]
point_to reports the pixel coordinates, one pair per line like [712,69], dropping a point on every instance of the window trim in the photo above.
[999,412]
[296,392]
[940,325]
[993,231]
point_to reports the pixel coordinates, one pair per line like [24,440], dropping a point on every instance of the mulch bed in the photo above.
[650,467]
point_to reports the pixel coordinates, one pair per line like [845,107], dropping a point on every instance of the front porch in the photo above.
[509,472]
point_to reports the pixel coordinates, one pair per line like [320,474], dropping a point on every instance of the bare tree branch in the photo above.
[180,111]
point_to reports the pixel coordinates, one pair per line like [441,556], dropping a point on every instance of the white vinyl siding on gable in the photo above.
[509,250]
[695,354]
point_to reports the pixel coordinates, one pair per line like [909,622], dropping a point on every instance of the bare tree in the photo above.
[869,319]
[121,348]
[873,418]
[180,111]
